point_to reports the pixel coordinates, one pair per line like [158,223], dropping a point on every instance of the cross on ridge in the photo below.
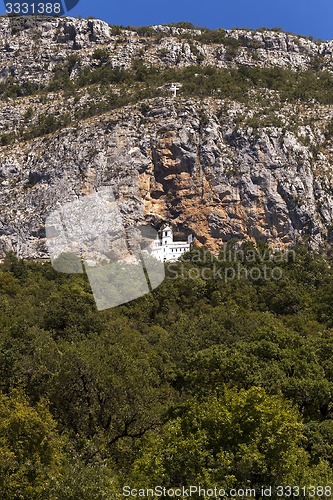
[174,88]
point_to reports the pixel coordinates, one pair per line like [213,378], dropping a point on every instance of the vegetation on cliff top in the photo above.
[109,88]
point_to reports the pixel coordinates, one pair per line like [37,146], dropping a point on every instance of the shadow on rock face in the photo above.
[23,23]
[25,15]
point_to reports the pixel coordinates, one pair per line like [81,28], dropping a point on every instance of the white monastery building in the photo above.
[166,250]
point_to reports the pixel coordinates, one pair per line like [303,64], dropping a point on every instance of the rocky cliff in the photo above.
[221,160]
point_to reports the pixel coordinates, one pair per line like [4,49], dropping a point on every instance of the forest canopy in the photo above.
[204,381]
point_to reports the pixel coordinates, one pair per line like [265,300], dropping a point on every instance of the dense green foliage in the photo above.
[197,80]
[207,380]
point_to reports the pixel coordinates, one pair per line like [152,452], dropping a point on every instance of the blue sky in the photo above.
[304,17]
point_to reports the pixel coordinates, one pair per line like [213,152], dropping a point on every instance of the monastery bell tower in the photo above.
[167,236]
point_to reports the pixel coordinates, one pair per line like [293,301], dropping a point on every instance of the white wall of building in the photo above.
[167,250]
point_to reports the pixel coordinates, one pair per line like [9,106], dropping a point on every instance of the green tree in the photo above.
[237,438]
[30,449]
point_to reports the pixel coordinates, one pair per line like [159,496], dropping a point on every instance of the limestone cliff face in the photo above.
[31,49]
[194,162]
